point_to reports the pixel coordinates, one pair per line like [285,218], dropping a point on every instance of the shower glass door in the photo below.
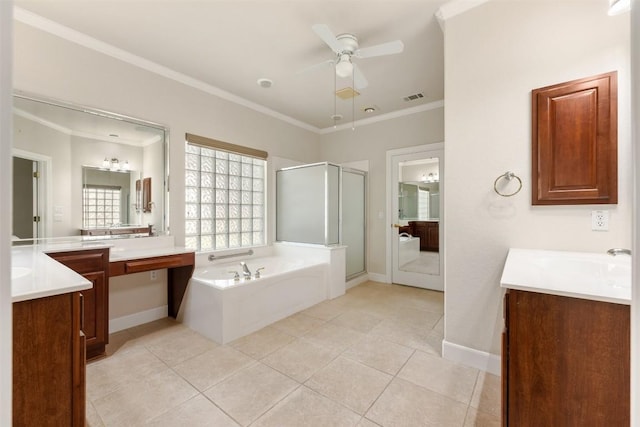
[354,220]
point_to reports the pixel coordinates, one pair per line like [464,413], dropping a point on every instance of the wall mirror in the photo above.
[419,191]
[416,246]
[76,169]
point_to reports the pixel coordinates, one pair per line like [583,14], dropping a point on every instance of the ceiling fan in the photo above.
[345,47]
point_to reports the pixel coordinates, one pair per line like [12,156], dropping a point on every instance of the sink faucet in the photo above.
[618,251]
[245,270]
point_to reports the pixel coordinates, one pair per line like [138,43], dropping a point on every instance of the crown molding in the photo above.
[455,7]
[29,18]
[52,27]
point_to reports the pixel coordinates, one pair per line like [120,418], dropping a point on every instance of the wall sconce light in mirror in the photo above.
[432,177]
[114,164]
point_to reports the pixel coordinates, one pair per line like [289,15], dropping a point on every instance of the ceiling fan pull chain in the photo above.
[353,99]
[335,89]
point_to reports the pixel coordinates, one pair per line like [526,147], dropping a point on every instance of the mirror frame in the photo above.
[159,229]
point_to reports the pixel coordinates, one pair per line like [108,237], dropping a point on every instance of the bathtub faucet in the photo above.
[245,270]
[618,251]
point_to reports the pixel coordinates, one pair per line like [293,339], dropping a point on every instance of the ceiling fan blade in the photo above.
[359,80]
[388,48]
[327,36]
[324,64]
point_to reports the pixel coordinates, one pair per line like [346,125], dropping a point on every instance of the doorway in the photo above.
[415,208]
[30,177]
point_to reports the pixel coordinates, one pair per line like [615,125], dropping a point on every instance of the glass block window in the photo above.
[100,206]
[224,199]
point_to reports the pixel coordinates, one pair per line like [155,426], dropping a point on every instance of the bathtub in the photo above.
[223,309]
[408,249]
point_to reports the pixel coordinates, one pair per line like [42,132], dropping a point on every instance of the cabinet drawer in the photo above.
[83,261]
[148,264]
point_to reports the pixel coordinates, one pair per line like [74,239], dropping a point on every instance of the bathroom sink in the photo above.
[17,272]
[589,275]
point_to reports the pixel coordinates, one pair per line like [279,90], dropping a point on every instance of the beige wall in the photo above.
[371,143]
[495,55]
[49,66]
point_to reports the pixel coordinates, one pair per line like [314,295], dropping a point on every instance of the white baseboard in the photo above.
[471,357]
[376,277]
[135,319]
[356,281]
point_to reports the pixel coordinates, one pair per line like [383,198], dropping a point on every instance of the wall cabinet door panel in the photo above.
[574,141]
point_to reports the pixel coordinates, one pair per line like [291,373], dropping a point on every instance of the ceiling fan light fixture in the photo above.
[344,67]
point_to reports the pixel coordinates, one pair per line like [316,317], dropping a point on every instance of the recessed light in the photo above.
[265,83]
[369,110]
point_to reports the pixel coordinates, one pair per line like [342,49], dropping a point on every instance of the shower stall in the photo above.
[324,204]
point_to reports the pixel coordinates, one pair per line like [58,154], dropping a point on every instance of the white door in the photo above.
[416,231]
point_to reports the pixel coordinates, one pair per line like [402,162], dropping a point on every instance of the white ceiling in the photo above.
[229,45]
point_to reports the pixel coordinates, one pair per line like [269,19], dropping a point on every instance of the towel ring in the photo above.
[508,176]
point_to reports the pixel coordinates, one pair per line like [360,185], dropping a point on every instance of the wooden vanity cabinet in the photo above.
[179,270]
[565,361]
[93,265]
[429,234]
[49,362]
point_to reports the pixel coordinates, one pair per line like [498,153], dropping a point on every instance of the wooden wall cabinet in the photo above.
[48,362]
[574,142]
[93,264]
[565,361]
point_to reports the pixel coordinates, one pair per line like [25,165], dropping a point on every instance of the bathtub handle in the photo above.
[236,275]
[257,273]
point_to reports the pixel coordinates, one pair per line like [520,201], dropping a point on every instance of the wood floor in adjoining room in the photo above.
[368,358]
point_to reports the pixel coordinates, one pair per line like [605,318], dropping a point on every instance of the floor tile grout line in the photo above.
[389,383]
[362,302]
[221,409]
[275,404]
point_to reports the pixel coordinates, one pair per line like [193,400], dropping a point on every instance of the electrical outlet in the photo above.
[154,275]
[600,220]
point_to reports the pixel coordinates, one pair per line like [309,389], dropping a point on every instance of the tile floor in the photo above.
[426,263]
[368,358]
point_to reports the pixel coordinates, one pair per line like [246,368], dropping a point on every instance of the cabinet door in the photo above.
[433,236]
[568,361]
[93,264]
[575,154]
[79,363]
[95,314]
[48,375]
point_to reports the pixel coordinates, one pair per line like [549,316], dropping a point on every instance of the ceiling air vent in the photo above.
[413,97]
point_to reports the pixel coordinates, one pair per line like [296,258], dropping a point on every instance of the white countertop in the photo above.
[41,276]
[594,276]
[36,275]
